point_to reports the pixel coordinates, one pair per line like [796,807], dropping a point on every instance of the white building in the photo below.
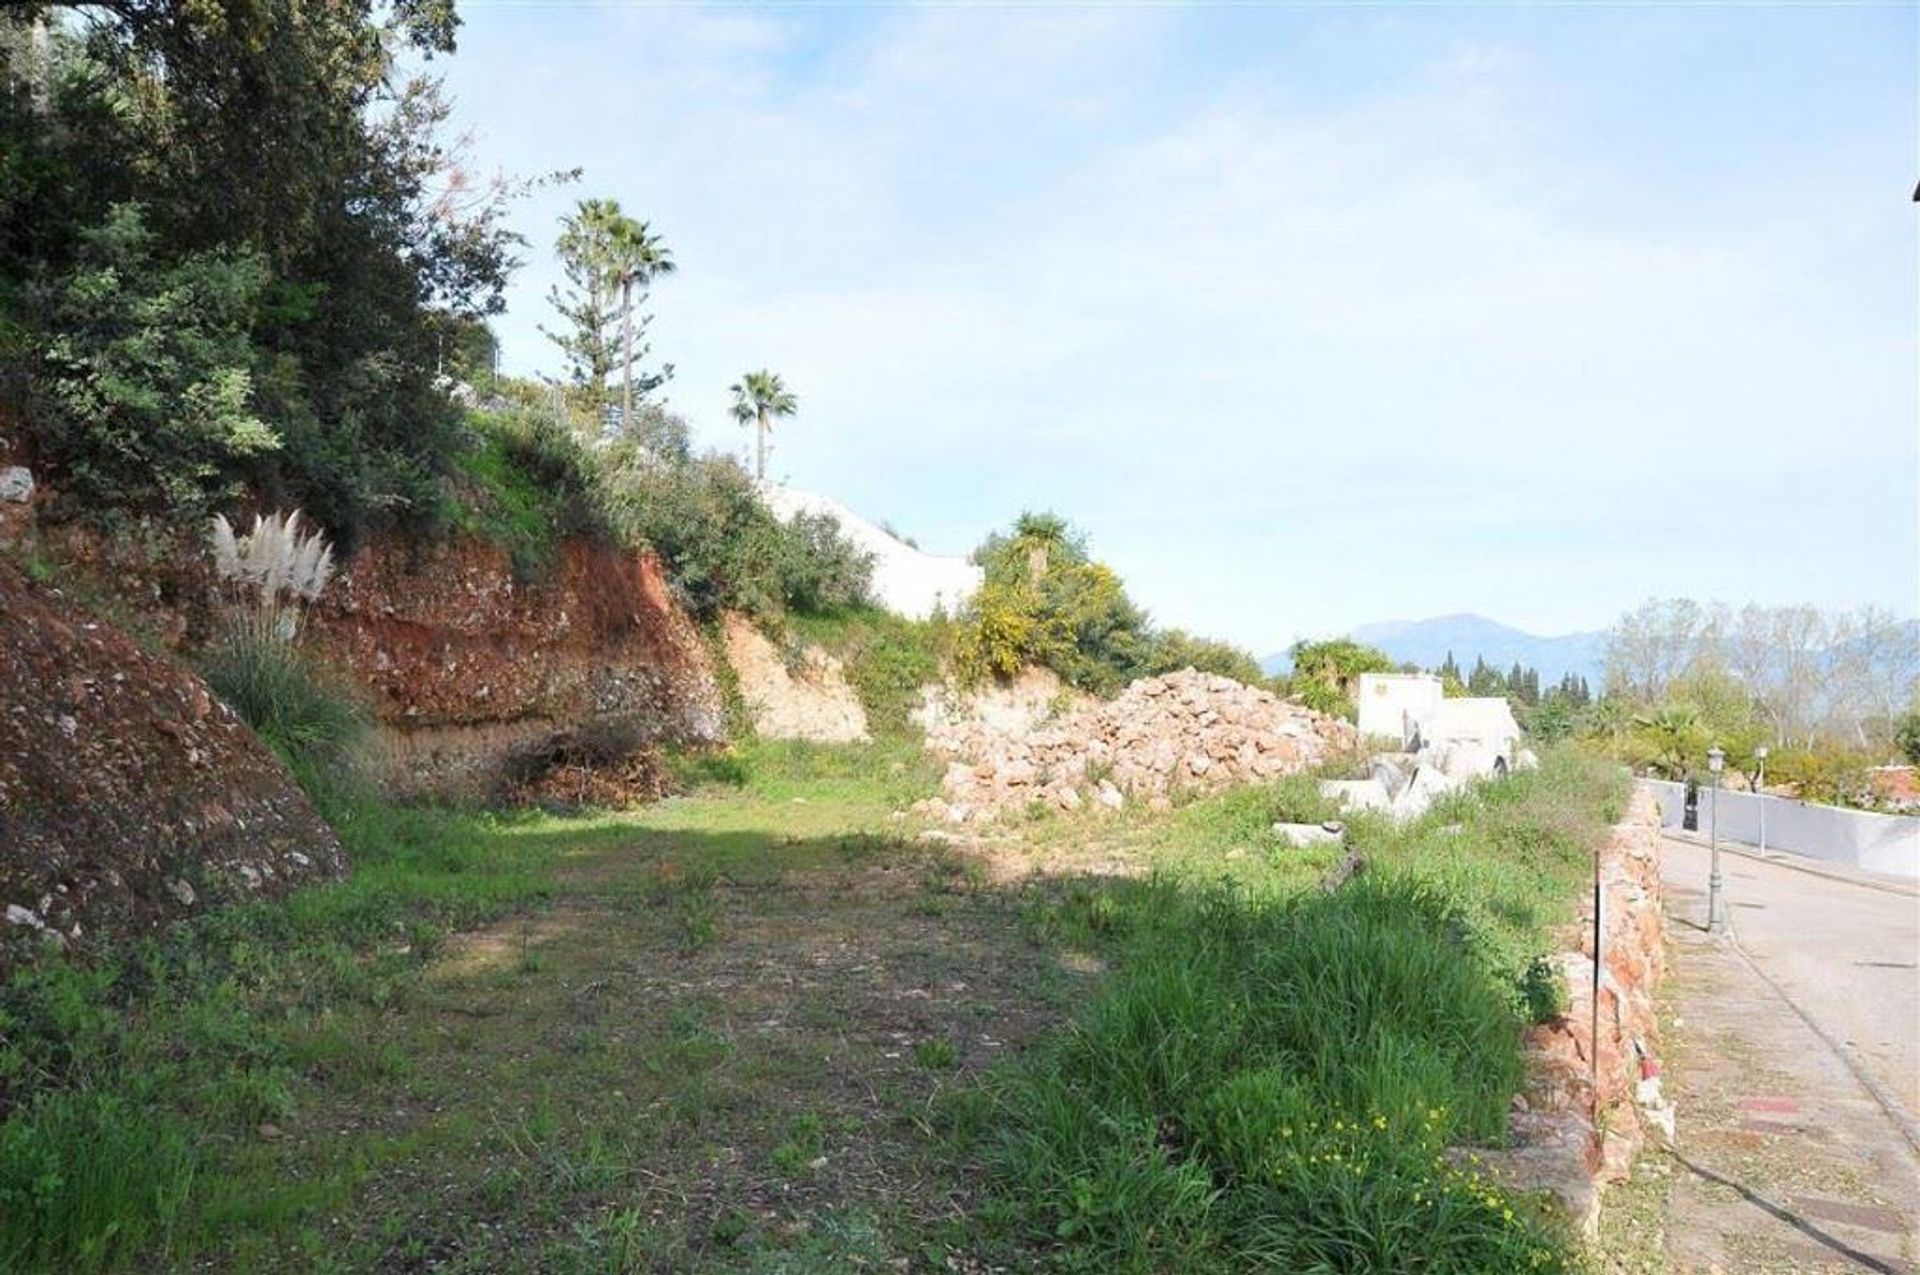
[1412,708]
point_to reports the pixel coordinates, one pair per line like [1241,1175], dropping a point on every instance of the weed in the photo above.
[936,1055]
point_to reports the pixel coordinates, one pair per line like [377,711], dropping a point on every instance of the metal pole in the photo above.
[1716,906]
[1762,795]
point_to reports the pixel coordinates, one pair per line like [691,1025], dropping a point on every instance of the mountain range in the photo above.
[1428,642]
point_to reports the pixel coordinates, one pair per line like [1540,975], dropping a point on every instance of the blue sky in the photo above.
[1309,316]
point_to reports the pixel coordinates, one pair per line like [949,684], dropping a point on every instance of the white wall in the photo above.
[1888,844]
[1387,701]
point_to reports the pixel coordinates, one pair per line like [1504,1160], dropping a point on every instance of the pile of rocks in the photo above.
[1184,730]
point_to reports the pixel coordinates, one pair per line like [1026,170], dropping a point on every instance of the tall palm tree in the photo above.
[636,258]
[758,397]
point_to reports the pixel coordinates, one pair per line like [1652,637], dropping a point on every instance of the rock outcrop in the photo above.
[1185,730]
[128,793]
[806,697]
[468,668]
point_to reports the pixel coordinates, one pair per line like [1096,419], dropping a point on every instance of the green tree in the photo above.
[144,396]
[758,397]
[1326,675]
[282,133]
[587,302]
[636,258]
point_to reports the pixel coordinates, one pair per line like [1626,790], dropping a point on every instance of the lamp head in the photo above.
[1716,759]
[1760,753]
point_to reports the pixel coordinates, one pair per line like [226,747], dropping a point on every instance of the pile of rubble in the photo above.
[1184,730]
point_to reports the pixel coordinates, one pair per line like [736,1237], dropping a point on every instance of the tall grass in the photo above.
[277,689]
[1273,1078]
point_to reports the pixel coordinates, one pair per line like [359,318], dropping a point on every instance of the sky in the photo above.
[1308,316]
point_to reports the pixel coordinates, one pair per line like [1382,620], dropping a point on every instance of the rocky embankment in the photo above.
[1180,731]
[467,667]
[128,793]
[1567,1136]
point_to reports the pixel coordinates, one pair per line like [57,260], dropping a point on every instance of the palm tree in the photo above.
[758,397]
[636,259]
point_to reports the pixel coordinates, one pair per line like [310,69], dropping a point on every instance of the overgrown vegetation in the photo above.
[122,1082]
[886,658]
[226,259]
[1278,1077]
[1046,601]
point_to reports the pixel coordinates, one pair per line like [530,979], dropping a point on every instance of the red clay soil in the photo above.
[128,793]
[463,666]
[446,636]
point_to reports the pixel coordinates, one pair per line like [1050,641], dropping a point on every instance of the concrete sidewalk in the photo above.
[1785,1159]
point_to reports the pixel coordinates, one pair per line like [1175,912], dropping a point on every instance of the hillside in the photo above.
[1427,643]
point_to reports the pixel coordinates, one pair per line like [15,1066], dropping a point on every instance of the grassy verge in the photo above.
[127,1083]
[1274,1078]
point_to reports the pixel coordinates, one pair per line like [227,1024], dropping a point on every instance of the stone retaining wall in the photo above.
[1555,1147]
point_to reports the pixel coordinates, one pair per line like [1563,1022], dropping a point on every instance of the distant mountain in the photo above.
[1427,642]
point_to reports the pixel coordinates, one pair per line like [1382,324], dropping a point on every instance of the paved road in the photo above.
[1846,950]
[1785,1161]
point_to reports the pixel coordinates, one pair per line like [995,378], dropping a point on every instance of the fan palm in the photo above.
[758,397]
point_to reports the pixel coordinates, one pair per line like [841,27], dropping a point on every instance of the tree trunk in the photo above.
[626,341]
[760,462]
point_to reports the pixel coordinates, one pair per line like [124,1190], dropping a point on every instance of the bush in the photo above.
[528,484]
[820,569]
[1175,649]
[1906,736]
[145,397]
[721,545]
[1326,675]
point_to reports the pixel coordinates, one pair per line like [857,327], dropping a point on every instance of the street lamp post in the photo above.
[1716,905]
[1760,755]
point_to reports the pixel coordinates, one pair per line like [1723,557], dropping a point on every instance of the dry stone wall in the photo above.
[1557,1145]
[1181,731]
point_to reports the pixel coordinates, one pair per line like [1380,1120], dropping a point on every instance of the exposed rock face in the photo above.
[807,699]
[1013,707]
[1554,1144]
[128,793]
[1184,730]
[465,667]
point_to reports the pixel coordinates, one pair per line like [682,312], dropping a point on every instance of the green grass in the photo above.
[886,659]
[277,689]
[124,1082]
[719,1033]
[1273,1077]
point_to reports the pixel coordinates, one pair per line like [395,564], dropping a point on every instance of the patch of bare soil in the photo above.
[674,1070]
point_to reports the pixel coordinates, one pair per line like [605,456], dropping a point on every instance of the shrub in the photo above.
[1326,675]
[1174,649]
[820,569]
[1906,736]
[527,484]
[722,547]
[258,668]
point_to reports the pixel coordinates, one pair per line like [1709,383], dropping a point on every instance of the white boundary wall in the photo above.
[1888,844]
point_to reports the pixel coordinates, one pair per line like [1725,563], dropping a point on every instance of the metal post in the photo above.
[1760,755]
[1716,904]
